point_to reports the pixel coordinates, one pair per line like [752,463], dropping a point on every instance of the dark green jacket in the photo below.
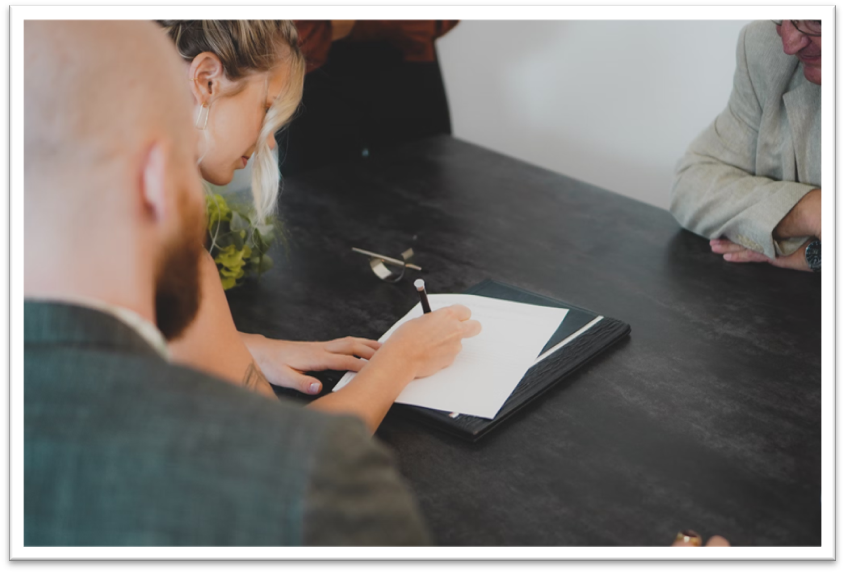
[123,448]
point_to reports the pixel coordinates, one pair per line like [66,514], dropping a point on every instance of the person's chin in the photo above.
[813,74]
[220,179]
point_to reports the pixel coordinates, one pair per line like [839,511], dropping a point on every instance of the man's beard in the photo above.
[177,297]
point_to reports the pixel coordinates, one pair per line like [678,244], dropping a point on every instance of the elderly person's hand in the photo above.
[689,538]
[804,220]
[734,253]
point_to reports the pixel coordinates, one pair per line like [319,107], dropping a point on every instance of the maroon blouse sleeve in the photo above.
[315,41]
[414,37]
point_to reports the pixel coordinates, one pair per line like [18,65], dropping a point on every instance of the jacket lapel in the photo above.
[803,111]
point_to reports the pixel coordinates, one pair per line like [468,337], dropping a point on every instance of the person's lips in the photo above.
[812,59]
[244,160]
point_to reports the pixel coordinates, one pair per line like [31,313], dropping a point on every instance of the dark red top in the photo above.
[414,37]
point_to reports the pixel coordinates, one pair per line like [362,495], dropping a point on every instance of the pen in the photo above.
[420,284]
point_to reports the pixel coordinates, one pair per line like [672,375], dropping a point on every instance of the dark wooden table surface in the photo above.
[708,417]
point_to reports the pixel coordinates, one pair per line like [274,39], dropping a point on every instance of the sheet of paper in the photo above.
[491,364]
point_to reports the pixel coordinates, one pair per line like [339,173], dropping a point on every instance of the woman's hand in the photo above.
[418,348]
[283,362]
[432,341]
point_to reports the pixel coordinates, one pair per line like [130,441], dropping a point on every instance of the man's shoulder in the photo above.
[171,455]
[184,401]
[761,35]
[763,49]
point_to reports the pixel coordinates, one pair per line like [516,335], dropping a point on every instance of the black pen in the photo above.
[420,284]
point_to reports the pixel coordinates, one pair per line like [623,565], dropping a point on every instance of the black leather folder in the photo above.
[541,377]
[551,372]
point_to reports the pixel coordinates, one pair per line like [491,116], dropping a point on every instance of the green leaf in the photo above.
[225,241]
[239,223]
[259,243]
[265,264]
[216,209]
[233,273]
[252,219]
[266,233]
[241,239]
[238,240]
[226,272]
[231,257]
[217,232]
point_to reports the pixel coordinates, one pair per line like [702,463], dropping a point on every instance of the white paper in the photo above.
[491,364]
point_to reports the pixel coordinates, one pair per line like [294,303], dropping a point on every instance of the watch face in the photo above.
[813,255]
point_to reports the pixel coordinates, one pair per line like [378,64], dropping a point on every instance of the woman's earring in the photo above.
[202,117]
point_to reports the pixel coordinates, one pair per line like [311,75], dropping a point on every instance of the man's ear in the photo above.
[206,74]
[154,184]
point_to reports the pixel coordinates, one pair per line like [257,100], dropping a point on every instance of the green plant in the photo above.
[237,241]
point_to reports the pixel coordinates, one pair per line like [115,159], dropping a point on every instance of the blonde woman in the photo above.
[246,79]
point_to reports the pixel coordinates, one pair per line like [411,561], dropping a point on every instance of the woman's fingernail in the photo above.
[689,536]
[315,388]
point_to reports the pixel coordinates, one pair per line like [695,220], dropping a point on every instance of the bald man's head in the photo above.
[99,91]
[110,166]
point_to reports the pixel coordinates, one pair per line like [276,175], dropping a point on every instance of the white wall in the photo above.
[613,103]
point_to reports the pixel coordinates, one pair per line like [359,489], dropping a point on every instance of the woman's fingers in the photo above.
[363,351]
[470,328]
[466,328]
[374,344]
[459,311]
[353,346]
[344,362]
[290,378]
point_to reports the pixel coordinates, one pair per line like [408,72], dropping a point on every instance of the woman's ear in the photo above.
[206,76]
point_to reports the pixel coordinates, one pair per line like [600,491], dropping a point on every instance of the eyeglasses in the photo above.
[806,27]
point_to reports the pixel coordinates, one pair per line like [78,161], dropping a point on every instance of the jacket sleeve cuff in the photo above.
[767,214]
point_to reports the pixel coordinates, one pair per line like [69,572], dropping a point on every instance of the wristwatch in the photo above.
[813,256]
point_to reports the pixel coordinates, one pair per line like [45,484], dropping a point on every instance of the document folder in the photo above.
[543,376]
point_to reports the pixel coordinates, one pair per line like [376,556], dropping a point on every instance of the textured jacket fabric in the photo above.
[123,448]
[760,156]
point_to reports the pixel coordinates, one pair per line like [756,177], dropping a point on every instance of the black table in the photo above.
[708,417]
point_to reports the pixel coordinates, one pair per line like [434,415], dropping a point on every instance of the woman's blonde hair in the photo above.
[245,47]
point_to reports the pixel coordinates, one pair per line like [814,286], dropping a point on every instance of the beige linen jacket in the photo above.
[760,156]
